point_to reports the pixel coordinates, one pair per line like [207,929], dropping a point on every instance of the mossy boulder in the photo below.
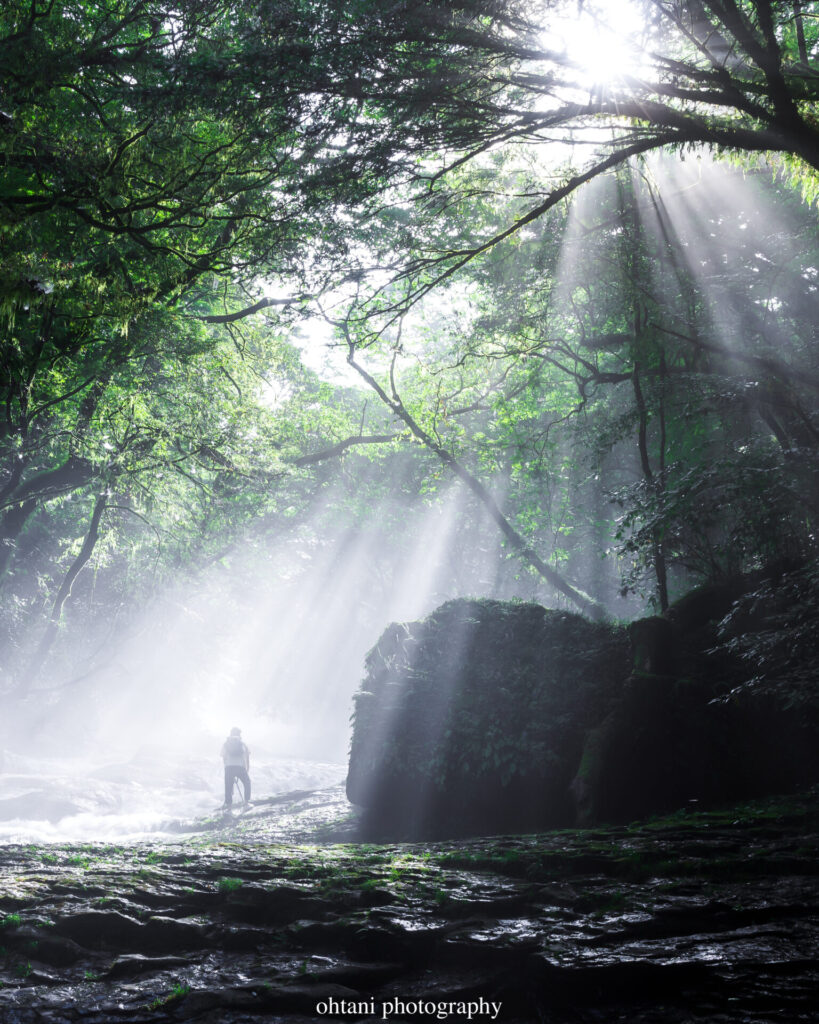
[669,744]
[491,716]
[721,705]
[475,718]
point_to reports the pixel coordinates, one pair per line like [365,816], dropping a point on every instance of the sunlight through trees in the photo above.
[568,250]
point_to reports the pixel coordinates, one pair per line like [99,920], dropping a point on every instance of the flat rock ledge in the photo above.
[695,917]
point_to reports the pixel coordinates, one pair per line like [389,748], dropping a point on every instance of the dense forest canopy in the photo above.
[585,289]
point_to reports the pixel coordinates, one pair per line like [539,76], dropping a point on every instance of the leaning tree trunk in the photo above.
[50,634]
[517,542]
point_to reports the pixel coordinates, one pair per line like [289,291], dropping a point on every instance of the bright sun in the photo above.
[599,39]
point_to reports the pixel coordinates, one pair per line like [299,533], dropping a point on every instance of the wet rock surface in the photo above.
[276,913]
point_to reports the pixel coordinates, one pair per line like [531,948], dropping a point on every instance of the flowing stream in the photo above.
[144,796]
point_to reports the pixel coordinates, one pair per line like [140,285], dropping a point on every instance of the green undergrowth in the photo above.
[668,845]
[178,992]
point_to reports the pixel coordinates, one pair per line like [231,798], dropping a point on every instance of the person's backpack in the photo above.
[234,747]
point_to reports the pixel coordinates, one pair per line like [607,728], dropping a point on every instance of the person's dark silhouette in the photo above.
[236,756]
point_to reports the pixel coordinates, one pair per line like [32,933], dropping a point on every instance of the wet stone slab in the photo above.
[711,917]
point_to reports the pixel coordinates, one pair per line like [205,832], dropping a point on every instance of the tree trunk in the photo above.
[50,635]
[658,552]
[11,526]
[800,32]
[655,484]
[553,578]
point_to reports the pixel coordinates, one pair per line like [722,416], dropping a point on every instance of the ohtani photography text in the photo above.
[430,1008]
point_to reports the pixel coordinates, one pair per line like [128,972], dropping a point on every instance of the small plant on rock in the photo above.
[227,885]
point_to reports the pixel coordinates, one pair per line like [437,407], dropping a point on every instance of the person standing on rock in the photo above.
[236,756]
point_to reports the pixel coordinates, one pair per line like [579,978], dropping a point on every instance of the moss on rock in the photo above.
[475,717]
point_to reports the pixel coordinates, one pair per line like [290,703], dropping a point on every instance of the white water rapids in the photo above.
[138,797]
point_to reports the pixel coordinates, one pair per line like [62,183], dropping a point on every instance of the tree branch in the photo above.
[231,318]
[516,541]
[343,446]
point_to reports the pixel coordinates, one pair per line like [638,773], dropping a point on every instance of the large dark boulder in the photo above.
[669,743]
[475,718]
[721,705]
[491,716]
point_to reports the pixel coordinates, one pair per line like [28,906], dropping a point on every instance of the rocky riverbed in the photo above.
[283,914]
